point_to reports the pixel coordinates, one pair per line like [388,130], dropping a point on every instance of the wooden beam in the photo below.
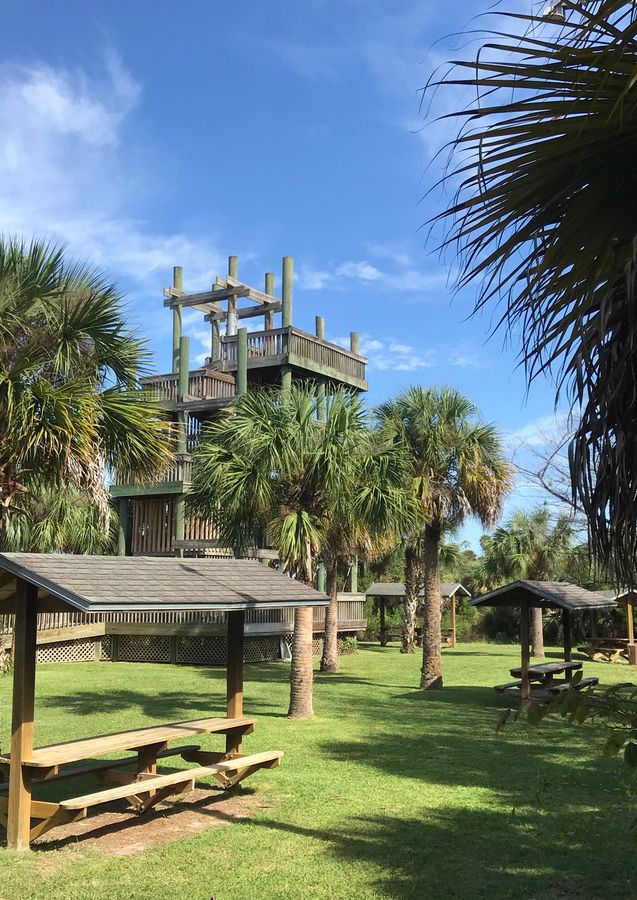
[630,623]
[524,644]
[234,675]
[179,299]
[19,807]
[453,621]
[567,628]
[247,312]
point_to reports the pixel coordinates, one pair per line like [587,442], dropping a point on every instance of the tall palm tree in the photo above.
[528,546]
[545,217]
[70,404]
[458,469]
[267,465]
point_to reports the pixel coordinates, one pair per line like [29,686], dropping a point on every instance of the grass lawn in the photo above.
[387,792]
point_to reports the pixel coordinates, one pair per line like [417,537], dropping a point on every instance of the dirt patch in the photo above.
[119,831]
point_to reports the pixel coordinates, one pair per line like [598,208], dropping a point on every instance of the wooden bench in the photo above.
[505,687]
[565,685]
[605,652]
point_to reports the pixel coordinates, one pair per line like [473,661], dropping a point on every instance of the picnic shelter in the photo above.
[390,593]
[31,584]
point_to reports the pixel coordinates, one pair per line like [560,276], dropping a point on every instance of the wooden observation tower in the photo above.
[153,518]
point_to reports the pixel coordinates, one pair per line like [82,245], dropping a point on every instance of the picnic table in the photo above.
[601,649]
[141,785]
[543,681]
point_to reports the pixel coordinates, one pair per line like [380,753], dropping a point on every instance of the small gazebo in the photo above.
[566,598]
[392,592]
[37,583]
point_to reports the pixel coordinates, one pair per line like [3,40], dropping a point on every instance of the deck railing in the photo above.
[203,384]
[179,470]
[276,342]
[351,610]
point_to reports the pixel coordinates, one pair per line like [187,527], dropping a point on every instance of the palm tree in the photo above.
[53,520]
[70,404]
[545,216]
[268,466]
[457,469]
[528,547]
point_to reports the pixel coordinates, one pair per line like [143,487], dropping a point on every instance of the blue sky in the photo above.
[152,134]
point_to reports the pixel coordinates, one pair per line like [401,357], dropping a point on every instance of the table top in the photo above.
[86,748]
[550,668]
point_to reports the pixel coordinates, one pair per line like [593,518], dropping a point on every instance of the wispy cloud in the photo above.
[363,274]
[64,172]
[393,354]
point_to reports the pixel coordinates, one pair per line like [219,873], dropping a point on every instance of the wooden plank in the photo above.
[234,675]
[73,751]
[175,298]
[247,312]
[19,805]
[71,632]
[157,782]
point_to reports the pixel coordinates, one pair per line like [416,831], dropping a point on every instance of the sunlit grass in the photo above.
[387,792]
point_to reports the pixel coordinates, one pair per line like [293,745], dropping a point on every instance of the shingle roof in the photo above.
[397,589]
[111,583]
[544,593]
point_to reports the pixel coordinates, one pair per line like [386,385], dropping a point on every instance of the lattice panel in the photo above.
[106,651]
[144,648]
[201,651]
[317,646]
[66,652]
[261,649]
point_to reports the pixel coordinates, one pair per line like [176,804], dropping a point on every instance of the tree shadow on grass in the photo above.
[468,853]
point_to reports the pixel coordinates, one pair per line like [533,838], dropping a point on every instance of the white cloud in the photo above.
[539,432]
[465,359]
[360,271]
[392,354]
[63,172]
[363,274]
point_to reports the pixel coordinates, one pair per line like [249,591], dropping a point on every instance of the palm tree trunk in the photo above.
[329,660]
[431,678]
[301,669]
[410,601]
[537,632]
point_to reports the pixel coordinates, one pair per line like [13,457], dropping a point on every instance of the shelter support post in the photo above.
[383,629]
[567,628]
[234,675]
[19,805]
[524,642]
[594,623]
[453,621]
[630,623]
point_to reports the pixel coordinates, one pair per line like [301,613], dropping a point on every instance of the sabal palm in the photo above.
[54,520]
[69,399]
[457,469]
[545,216]
[268,466]
[529,546]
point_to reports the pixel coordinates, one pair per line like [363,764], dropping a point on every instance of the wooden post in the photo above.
[286,291]
[453,620]
[594,623]
[567,628]
[231,318]
[122,530]
[354,342]
[353,575]
[241,384]
[234,675]
[178,284]
[24,647]
[269,290]
[383,629]
[319,327]
[630,623]
[320,577]
[321,409]
[524,643]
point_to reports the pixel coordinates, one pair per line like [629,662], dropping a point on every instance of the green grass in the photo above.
[387,792]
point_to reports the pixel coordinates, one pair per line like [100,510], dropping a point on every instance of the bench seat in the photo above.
[183,780]
[87,748]
[585,682]
[507,686]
